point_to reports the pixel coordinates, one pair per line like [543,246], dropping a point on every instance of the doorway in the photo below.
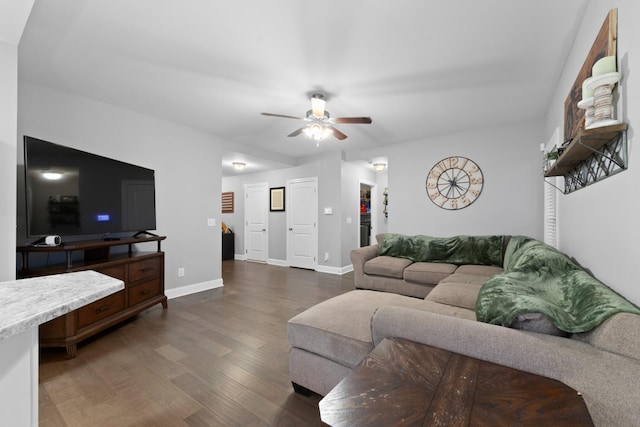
[367,213]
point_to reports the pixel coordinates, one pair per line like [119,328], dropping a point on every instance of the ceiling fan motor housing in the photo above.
[310,115]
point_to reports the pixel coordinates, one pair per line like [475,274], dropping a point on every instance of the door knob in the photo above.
[264,229]
[290,229]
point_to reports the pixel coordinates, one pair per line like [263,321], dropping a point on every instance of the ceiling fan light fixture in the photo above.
[238,165]
[379,167]
[317,132]
[317,105]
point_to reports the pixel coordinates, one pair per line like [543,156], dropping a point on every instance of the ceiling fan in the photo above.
[321,125]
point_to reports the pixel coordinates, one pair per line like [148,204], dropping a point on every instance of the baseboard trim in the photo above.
[319,268]
[334,270]
[278,262]
[193,289]
[347,269]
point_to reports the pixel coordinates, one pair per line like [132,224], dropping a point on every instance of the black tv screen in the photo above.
[72,192]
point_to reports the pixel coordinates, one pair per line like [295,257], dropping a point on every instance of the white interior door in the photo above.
[256,211]
[302,222]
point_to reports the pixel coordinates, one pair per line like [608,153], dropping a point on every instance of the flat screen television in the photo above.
[71,192]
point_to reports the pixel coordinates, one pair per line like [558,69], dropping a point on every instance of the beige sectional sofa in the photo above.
[331,338]
[416,279]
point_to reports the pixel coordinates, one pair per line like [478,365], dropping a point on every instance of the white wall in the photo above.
[18,354]
[8,123]
[510,202]
[382,182]
[598,225]
[186,162]
[330,226]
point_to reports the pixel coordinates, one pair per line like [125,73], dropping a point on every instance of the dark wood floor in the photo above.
[216,358]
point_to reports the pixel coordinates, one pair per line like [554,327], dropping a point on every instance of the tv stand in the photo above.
[143,233]
[142,273]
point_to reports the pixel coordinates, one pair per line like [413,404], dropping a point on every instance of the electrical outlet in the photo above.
[211,222]
[181,272]
[326,256]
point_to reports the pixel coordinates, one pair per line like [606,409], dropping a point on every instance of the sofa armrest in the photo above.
[527,351]
[359,257]
[607,381]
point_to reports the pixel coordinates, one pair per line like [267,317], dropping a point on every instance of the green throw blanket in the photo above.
[479,250]
[540,279]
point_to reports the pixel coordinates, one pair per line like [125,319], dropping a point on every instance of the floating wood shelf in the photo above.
[586,143]
[593,155]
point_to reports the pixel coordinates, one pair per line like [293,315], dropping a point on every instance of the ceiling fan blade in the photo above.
[281,115]
[297,132]
[337,133]
[363,120]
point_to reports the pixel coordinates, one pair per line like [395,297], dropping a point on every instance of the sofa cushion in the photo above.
[456,294]
[394,285]
[386,266]
[479,270]
[473,279]
[428,272]
[340,328]
[448,310]
[462,287]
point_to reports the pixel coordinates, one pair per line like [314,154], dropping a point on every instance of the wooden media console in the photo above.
[141,272]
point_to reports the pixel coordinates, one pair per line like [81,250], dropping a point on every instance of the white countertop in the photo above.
[26,303]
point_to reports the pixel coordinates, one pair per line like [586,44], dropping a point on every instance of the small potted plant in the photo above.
[550,158]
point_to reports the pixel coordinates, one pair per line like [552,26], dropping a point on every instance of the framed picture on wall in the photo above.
[605,44]
[276,199]
[227,202]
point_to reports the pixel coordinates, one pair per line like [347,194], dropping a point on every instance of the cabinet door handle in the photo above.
[146,269]
[104,308]
[146,292]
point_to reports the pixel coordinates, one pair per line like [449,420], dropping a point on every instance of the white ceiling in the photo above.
[417,68]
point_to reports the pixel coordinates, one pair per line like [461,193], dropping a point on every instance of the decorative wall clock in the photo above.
[454,183]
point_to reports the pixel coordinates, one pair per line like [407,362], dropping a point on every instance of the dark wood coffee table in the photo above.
[403,383]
